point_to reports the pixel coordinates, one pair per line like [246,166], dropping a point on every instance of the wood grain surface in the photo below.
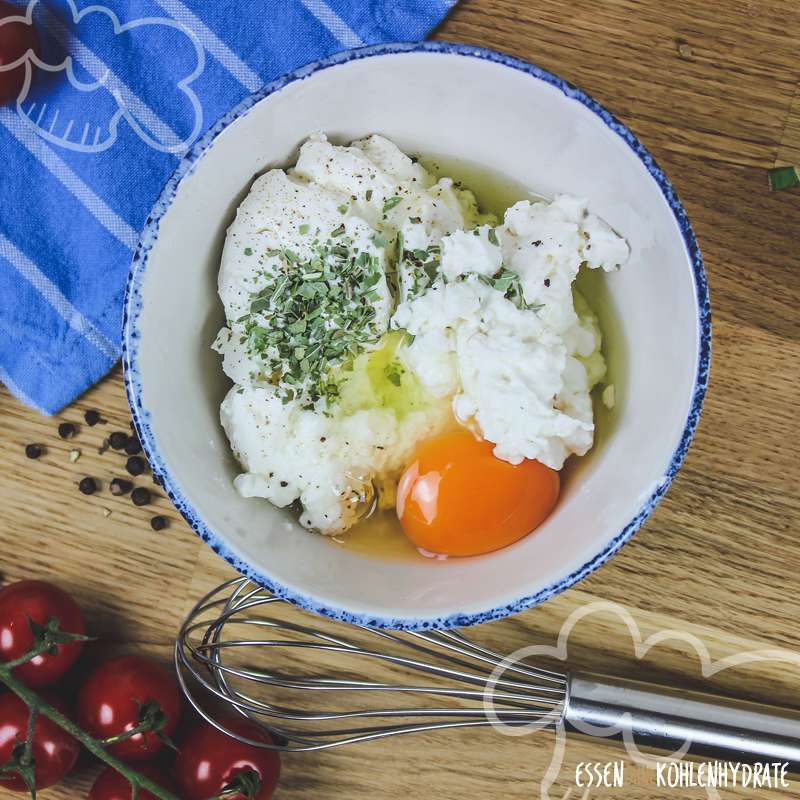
[712,90]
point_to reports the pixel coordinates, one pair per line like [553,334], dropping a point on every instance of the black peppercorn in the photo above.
[92,417]
[158,523]
[66,430]
[88,485]
[118,440]
[33,450]
[120,486]
[133,446]
[135,465]
[140,496]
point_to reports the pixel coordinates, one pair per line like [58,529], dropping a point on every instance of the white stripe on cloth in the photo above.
[40,150]
[15,389]
[213,44]
[50,292]
[99,71]
[333,22]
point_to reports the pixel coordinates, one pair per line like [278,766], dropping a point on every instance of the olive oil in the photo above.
[493,191]
[378,379]
[378,536]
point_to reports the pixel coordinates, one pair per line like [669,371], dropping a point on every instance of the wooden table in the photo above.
[712,90]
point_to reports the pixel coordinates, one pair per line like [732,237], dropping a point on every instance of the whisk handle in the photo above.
[662,719]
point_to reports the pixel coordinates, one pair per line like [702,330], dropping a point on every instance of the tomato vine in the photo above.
[46,640]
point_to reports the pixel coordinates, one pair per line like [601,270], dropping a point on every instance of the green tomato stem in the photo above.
[27,756]
[39,706]
[31,654]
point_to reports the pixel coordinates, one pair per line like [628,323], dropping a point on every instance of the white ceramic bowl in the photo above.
[466,103]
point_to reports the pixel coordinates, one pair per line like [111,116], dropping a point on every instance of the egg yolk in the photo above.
[457,498]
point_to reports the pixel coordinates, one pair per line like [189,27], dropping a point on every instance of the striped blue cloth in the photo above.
[116,94]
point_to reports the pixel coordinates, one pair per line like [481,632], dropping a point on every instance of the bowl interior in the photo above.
[486,112]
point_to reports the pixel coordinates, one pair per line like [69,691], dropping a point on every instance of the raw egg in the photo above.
[456,497]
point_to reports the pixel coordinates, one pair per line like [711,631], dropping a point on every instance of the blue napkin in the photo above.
[114,97]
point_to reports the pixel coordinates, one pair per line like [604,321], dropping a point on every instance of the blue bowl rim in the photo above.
[131,335]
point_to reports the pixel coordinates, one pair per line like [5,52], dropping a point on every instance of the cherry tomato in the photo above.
[54,750]
[110,785]
[38,601]
[209,760]
[115,696]
[16,38]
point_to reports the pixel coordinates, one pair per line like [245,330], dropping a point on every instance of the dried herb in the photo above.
[508,282]
[312,316]
[390,203]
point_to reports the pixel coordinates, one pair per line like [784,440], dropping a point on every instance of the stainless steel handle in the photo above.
[664,719]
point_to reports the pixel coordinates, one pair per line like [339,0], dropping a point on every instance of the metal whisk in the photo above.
[304,663]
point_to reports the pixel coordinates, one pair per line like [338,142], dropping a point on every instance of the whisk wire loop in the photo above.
[263,675]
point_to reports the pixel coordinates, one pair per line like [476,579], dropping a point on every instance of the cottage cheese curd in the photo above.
[370,307]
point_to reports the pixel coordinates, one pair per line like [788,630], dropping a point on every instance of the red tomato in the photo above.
[210,760]
[54,750]
[16,38]
[110,785]
[113,698]
[40,602]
